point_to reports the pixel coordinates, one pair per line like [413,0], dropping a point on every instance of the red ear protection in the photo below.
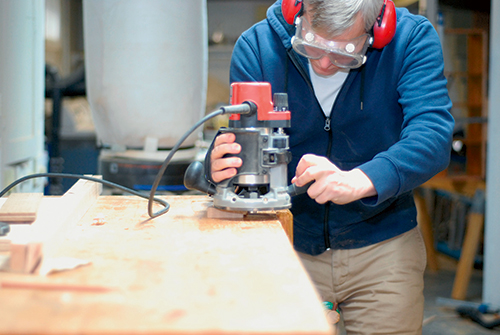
[291,9]
[385,26]
[383,29]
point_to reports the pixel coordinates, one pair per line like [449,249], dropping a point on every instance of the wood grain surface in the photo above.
[20,207]
[179,273]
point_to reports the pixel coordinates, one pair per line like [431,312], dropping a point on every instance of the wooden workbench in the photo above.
[179,273]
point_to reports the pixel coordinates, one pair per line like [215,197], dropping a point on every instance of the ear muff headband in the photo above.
[383,29]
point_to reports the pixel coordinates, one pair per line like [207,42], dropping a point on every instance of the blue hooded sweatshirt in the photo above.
[390,119]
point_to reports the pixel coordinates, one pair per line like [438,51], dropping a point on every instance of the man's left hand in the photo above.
[331,183]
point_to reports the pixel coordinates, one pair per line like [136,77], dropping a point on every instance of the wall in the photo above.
[21,92]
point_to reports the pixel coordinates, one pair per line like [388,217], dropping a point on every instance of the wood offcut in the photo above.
[20,207]
[29,245]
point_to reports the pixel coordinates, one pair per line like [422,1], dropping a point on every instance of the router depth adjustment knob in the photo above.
[280,101]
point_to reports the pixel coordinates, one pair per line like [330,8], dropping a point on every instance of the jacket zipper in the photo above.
[327,128]
[328,204]
[327,124]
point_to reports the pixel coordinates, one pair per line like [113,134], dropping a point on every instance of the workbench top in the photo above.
[178,273]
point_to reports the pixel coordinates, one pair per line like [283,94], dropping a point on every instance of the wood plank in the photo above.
[425,224]
[178,273]
[473,235]
[466,185]
[468,253]
[286,219]
[55,216]
[284,216]
[20,207]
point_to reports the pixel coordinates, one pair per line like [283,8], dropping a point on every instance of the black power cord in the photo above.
[244,108]
[78,176]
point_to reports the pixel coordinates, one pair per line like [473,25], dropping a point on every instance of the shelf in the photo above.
[475,100]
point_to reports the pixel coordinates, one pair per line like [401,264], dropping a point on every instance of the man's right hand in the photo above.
[224,168]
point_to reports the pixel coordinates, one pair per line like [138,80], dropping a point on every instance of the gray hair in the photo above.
[336,16]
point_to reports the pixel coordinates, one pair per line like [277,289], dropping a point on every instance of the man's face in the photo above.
[323,66]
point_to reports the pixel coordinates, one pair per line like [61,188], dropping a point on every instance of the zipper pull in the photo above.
[327,124]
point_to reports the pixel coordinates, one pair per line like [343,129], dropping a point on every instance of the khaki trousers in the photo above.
[379,288]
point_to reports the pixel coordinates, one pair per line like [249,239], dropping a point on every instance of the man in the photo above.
[369,124]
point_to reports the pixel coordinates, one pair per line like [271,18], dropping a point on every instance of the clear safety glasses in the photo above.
[344,54]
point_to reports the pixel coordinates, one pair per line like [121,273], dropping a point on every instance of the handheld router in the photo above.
[261,182]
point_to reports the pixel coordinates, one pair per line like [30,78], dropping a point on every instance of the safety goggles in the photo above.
[344,54]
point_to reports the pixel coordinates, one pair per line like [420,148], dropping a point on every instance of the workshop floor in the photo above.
[440,320]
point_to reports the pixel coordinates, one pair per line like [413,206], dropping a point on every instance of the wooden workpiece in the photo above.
[20,207]
[181,272]
[31,244]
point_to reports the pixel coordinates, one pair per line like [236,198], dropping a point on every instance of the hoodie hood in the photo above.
[284,30]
